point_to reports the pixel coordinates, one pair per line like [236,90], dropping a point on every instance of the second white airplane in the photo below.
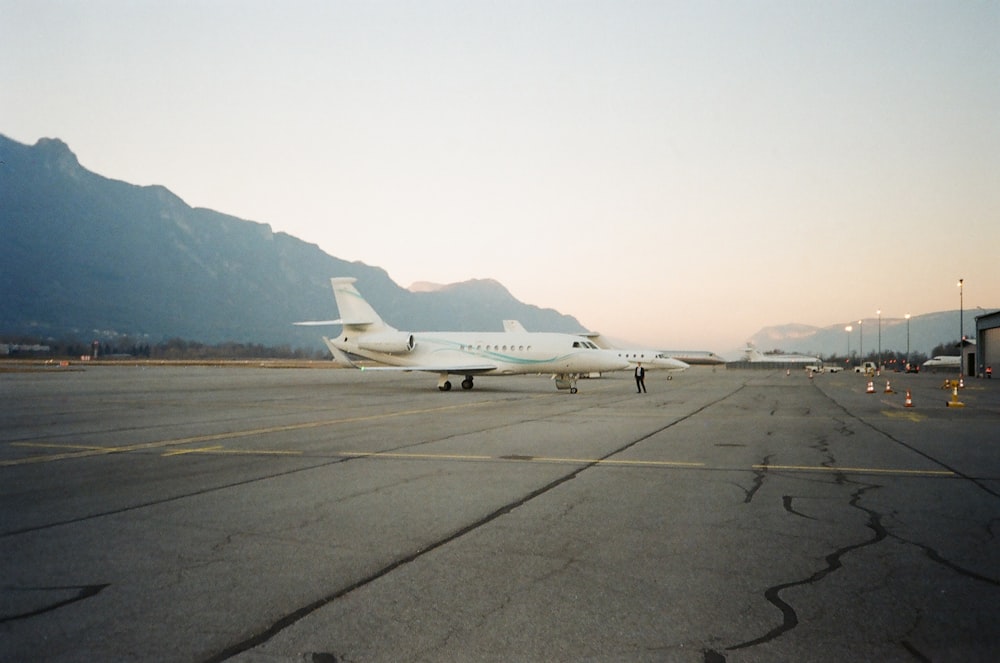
[651,359]
[565,356]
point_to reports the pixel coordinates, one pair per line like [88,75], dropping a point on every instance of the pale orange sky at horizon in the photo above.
[674,174]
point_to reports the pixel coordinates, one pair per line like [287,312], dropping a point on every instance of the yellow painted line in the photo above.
[855,470]
[220,451]
[376,454]
[49,445]
[81,451]
[528,459]
[637,463]
[181,452]
[904,414]
[632,463]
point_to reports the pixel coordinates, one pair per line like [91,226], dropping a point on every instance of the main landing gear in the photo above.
[564,381]
[444,384]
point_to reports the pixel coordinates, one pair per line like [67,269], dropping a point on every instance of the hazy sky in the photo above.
[678,174]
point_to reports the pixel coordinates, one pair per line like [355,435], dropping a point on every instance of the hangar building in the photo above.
[987,342]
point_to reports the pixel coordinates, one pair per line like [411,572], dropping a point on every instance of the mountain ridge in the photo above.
[85,254]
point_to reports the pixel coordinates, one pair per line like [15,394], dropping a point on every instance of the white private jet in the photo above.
[943,361]
[651,359]
[752,354]
[693,357]
[365,334]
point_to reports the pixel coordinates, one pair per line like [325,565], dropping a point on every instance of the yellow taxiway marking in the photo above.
[855,470]
[220,450]
[84,451]
[181,452]
[904,414]
[638,463]
[378,454]
[532,459]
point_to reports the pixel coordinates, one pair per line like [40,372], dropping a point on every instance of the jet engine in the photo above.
[390,343]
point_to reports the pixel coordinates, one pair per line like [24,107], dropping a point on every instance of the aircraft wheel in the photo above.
[445,386]
[467,383]
[572,390]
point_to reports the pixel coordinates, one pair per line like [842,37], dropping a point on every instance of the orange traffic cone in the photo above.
[888,389]
[909,401]
[871,387]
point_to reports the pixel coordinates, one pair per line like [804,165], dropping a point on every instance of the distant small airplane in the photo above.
[752,354]
[651,359]
[943,361]
[694,357]
[365,334]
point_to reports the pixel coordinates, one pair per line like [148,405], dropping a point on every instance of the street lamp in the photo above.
[878,366]
[861,342]
[907,316]
[961,330]
[848,329]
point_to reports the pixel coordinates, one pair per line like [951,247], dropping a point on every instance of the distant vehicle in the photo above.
[865,367]
[913,368]
[823,368]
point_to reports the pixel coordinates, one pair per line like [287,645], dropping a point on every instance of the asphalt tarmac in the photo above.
[259,514]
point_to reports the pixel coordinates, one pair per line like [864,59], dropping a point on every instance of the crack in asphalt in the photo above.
[790,618]
[880,533]
[786,501]
[758,480]
[83,592]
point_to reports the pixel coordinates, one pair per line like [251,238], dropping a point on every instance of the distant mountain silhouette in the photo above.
[926,332]
[85,256]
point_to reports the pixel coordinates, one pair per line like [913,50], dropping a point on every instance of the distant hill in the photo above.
[85,256]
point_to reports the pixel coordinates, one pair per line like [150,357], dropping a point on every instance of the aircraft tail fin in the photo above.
[354,310]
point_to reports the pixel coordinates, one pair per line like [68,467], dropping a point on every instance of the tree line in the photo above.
[174,348]
[891,358]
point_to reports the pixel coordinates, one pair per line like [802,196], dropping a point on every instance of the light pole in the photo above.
[861,342]
[878,366]
[907,367]
[848,329]
[961,331]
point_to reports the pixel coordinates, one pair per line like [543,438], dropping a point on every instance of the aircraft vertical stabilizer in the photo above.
[354,310]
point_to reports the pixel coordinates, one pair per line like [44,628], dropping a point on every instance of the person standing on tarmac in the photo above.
[640,379]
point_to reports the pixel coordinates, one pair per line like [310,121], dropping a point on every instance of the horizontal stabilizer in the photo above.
[318,323]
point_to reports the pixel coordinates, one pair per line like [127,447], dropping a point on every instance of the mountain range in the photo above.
[925,332]
[85,256]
